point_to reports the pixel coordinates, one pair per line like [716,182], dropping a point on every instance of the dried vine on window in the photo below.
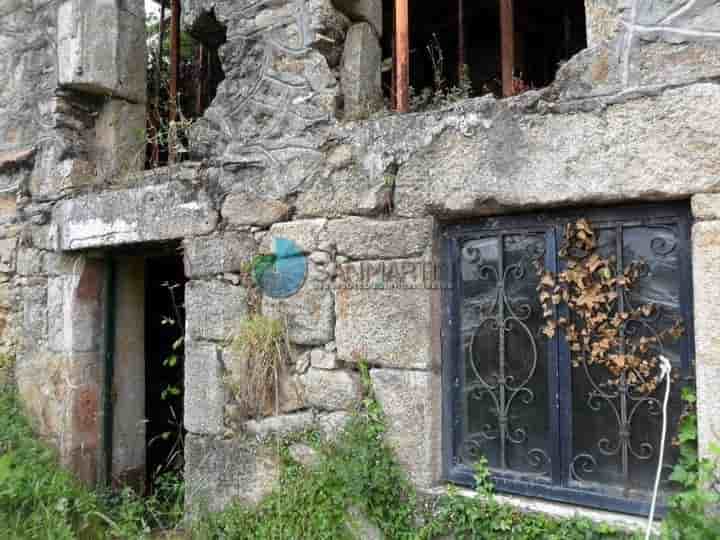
[594,321]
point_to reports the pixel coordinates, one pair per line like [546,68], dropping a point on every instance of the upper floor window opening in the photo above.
[468,49]
[183,75]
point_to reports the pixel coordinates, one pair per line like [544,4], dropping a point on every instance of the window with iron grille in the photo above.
[512,394]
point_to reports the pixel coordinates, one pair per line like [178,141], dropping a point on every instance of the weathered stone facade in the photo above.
[287,151]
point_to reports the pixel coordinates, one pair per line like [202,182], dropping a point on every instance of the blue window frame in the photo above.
[549,429]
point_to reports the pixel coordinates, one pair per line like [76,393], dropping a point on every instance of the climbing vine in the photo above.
[597,318]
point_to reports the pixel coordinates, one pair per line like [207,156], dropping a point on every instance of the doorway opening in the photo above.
[144,393]
[164,365]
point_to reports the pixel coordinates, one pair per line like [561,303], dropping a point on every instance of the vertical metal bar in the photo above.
[502,412]
[402,55]
[555,439]
[201,82]
[507,46]
[174,75]
[687,346]
[159,56]
[109,368]
[393,76]
[623,384]
[156,116]
[461,41]
[451,360]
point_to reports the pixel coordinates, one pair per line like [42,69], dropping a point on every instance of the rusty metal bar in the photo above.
[202,80]
[174,76]
[154,116]
[393,74]
[159,56]
[461,41]
[402,55]
[507,46]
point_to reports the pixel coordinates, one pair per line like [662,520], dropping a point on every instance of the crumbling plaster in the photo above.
[634,117]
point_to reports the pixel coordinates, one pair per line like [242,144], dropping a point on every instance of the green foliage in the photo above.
[690,516]
[355,474]
[359,472]
[7,366]
[482,517]
[39,500]
[441,95]
[260,264]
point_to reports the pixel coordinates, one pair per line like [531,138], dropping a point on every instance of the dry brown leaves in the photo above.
[584,302]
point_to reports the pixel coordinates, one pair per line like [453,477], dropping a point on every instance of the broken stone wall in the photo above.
[72,92]
[293,147]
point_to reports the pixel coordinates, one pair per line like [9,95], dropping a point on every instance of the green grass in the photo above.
[38,500]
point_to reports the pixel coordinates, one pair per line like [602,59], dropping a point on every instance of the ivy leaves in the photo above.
[587,301]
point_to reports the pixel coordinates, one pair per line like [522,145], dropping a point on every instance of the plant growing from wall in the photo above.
[261,354]
[441,94]
[596,324]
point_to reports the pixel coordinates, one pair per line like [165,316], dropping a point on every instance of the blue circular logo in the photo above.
[281,273]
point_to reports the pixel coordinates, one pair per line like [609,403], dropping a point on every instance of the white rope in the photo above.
[665,368]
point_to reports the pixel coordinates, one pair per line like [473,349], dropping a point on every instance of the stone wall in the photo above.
[295,146]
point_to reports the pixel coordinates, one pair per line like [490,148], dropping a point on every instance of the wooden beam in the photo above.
[402,55]
[507,46]
[173,106]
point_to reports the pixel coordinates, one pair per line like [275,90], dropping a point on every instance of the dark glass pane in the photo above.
[616,428]
[516,398]
[505,389]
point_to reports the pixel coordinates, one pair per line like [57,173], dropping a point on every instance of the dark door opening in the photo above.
[164,363]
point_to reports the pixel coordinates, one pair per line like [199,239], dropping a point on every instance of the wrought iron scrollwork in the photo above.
[553,414]
[501,316]
[630,395]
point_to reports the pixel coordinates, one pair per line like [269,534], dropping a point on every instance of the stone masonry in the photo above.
[295,146]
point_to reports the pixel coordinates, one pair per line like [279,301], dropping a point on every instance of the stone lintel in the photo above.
[145,214]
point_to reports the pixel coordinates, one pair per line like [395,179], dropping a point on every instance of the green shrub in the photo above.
[691,515]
